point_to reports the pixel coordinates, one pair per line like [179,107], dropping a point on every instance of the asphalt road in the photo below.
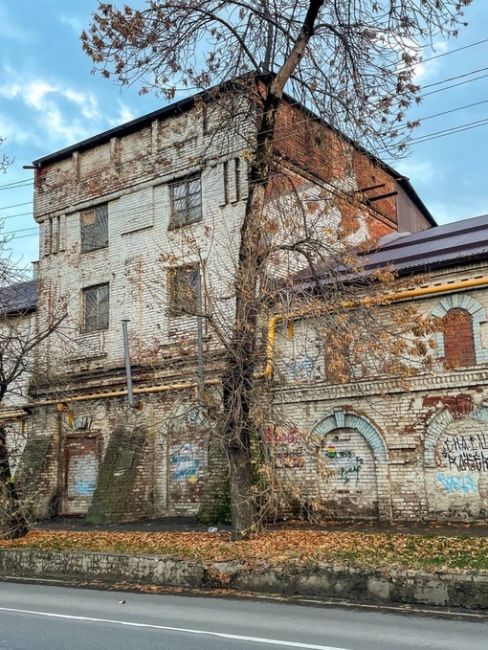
[35,617]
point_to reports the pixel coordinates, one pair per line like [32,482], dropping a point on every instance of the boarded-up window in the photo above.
[186,201]
[95,308]
[183,290]
[94,228]
[459,348]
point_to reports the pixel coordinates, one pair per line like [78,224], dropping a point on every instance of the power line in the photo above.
[15,216]
[459,76]
[13,232]
[17,205]
[461,83]
[451,110]
[455,129]
[438,56]
[9,239]
[16,185]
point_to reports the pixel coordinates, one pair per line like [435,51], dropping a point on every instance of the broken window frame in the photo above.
[96,308]
[94,235]
[179,304]
[182,193]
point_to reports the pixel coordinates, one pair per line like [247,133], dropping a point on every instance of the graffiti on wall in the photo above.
[286,446]
[465,453]
[186,462]
[304,366]
[464,484]
[344,464]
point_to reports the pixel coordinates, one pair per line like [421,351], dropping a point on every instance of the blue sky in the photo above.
[49,99]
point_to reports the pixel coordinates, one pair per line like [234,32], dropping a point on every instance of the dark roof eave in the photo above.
[424,267]
[13,313]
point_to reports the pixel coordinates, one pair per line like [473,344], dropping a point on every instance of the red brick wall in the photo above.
[459,349]
[318,150]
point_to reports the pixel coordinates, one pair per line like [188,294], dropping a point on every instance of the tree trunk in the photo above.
[12,519]
[238,381]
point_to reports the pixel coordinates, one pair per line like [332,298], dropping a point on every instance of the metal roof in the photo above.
[19,298]
[443,246]
[446,245]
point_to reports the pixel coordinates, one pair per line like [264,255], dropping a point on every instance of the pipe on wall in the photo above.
[397,296]
[271,338]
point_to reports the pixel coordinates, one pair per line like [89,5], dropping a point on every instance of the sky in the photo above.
[49,99]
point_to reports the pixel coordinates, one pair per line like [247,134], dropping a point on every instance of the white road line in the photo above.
[220,635]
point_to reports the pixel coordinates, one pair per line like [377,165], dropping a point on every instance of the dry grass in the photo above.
[432,552]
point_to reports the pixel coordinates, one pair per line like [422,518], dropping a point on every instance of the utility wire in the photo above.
[15,216]
[17,205]
[459,76]
[461,83]
[438,56]
[451,110]
[16,185]
[452,131]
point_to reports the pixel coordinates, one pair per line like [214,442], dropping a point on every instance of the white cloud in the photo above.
[423,69]
[125,114]
[63,126]
[427,68]
[13,132]
[419,171]
[73,22]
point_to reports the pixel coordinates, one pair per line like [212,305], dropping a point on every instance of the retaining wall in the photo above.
[317,580]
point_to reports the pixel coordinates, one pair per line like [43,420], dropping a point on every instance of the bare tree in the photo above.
[5,161]
[352,62]
[20,339]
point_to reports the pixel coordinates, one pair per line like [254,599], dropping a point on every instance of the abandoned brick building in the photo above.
[132,220]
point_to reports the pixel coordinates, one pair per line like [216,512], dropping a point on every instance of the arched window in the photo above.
[459,350]
[460,343]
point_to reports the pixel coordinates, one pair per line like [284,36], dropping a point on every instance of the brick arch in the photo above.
[439,423]
[475,310]
[342,420]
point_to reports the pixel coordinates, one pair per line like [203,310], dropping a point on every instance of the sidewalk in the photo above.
[190,524]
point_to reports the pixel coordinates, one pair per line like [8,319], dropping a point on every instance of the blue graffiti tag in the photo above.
[85,488]
[457,484]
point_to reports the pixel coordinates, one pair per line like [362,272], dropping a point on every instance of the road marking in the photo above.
[220,635]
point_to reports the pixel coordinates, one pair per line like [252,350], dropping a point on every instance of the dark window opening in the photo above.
[95,308]
[183,290]
[94,228]
[186,201]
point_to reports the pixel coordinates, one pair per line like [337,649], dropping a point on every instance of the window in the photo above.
[94,228]
[183,290]
[186,201]
[95,308]
[459,351]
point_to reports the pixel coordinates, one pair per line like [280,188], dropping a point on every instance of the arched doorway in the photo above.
[349,449]
[456,466]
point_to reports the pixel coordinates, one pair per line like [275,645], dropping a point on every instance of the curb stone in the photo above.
[467,590]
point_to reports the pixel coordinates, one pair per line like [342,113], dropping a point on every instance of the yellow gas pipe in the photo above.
[272,323]
[347,304]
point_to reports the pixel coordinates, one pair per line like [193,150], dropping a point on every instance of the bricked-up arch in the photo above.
[342,420]
[459,349]
[438,425]
[457,344]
